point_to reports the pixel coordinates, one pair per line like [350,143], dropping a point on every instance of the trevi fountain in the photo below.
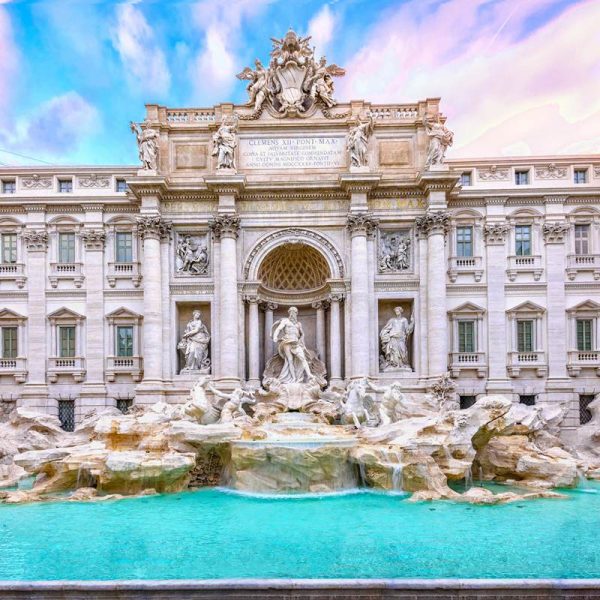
[332,445]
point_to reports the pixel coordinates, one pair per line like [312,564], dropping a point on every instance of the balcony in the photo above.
[128,271]
[463,361]
[13,272]
[583,359]
[580,263]
[525,264]
[72,366]
[124,365]
[527,360]
[66,271]
[467,265]
[15,367]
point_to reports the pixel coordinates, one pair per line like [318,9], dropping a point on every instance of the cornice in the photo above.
[226,184]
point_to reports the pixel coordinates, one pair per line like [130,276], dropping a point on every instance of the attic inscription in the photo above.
[320,152]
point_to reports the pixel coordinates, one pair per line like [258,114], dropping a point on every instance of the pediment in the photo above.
[527,307]
[10,315]
[467,308]
[124,313]
[65,314]
[585,306]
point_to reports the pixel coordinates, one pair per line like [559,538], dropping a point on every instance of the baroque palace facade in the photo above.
[344,210]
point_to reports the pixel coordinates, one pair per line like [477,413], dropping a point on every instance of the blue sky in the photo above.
[515,76]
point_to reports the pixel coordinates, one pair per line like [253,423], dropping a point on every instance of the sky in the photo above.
[515,77]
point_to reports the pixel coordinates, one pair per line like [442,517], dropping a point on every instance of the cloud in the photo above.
[321,27]
[507,86]
[9,59]
[142,58]
[55,130]
[214,67]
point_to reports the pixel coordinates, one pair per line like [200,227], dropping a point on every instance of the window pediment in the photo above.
[527,309]
[123,314]
[467,309]
[65,314]
[10,316]
[587,308]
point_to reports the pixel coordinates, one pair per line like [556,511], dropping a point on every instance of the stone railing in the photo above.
[583,262]
[13,271]
[66,365]
[467,360]
[72,271]
[191,116]
[525,264]
[527,360]
[580,359]
[465,264]
[395,111]
[17,367]
[124,365]
[117,270]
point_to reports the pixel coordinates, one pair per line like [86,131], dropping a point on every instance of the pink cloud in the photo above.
[504,91]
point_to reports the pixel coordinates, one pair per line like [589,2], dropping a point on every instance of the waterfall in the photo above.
[397,477]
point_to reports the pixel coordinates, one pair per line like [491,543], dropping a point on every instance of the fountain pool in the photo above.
[211,534]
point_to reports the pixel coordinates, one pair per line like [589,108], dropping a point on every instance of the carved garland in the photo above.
[225,226]
[433,222]
[153,227]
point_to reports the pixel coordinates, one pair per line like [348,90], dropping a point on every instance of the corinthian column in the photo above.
[434,225]
[335,340]
[225,228]
[151,230]
[360,225]
[253,341]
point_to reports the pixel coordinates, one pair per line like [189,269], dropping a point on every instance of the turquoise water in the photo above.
[213,534]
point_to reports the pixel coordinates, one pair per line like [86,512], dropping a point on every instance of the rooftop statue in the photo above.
[147,140]
[293,82]
[224,144]
[440,139]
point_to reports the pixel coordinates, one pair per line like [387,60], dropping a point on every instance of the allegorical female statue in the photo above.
[224,144]
[358,143]
[394,342]
[147,140]
[440,139]
[194,345]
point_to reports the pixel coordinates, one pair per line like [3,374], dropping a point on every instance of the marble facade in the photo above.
[289,214]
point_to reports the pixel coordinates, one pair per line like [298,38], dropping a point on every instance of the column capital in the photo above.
[554,232]
[336,297]
[266,306]
[320,304]
[251,299]
[154,227]
[36,240]
[361,224]
[226,225]
[495,233]
[433,221]
[93,239]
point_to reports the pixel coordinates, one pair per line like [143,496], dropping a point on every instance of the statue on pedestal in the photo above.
[440,139]
[224,145]
[358,143]
[194,345]
[147,140]
[394,342]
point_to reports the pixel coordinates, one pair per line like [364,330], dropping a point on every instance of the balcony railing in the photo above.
[465,264]
[125,365]
[527,360]
[13,272]
[525,264]
[124,270]
[468,360]
[70,271]
[582,263]
[583,359]
[17,367]
[66,365]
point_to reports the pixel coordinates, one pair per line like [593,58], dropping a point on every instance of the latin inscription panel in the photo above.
[315,152]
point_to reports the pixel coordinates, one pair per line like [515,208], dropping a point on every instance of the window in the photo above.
[65,185]
[66,414]
[124,404]
[467,401]
[521,177]
[525,336]
[9,342]
[580,175]
[121,185]
[523,240]
[9,248]
[585,414]
[125,340]
[66,248]
[124,249]
[582,239]
[464,241]
[465,178]
[466,336]
[9,186]
[66,341]
[528,400]
[584,335]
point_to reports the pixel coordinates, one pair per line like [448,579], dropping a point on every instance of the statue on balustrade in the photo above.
[191,256]
[147,140]
[440,139]
[224,145]
[394,342]
[358,143]
[194,345]
[294,362]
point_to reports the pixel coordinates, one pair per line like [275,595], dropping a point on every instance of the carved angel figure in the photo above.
[258,88]
[440,139]
[147,140]
[358,142]
[224,145]
[320,83]
[192,257]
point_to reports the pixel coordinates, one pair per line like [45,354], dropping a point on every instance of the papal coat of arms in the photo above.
[294,81]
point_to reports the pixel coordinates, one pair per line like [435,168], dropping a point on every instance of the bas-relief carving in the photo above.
[36,182]
[191,254]
[147,141]
[440,139]
[554,233]
[293,83]
[394,251]
[394,342]
[93,181]
[358,142]
[194,345]
[493,173]
[551,171]
[224,145]
[597,171]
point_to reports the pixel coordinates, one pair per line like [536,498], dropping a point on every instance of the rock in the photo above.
[11,474]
